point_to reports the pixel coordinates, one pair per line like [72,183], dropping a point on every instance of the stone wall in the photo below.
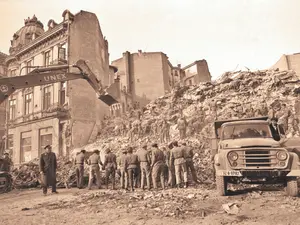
[87,42]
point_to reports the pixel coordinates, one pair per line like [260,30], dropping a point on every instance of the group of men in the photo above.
[140,168]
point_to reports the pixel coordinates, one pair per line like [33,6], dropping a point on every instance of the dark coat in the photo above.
[48,165]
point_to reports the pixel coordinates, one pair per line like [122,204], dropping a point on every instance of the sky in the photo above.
[229,34]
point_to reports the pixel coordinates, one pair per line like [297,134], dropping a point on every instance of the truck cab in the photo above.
[253,151]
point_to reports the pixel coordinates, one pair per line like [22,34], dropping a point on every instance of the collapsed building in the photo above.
[235,95]
[145,76]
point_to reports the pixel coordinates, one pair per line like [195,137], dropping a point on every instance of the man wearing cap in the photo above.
[171,169]
[177,159]
[48,166]
[110,166]
[6,163]
[94,161]
[131,165]
[79,163]
[157,165]
[144,161]
[188,156]
[123,172]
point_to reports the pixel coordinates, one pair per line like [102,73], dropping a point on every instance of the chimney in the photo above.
[179,66]
[140,52]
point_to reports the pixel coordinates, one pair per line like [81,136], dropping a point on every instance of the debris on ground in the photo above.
[238,94]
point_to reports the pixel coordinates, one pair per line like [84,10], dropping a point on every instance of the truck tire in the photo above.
[292,187]
[221,183]
[6,182]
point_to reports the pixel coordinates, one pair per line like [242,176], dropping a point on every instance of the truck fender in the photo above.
[294,160]
[295,165]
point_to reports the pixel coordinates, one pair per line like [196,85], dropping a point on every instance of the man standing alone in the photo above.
[48,165]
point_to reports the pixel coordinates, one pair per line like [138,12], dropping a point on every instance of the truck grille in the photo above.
[258,158]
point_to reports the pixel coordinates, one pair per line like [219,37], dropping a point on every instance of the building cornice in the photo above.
[44,37]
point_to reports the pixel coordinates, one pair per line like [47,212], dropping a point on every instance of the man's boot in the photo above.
[185,184]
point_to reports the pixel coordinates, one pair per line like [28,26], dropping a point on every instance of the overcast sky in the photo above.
[229,34]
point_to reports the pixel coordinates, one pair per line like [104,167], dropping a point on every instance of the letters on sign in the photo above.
[55,77]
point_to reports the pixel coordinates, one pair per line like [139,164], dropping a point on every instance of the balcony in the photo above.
[57,111]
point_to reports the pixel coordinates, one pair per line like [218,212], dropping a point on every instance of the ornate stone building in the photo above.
[3,72]
[66,114]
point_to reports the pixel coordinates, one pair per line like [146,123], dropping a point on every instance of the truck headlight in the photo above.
[233,156]
[282,155]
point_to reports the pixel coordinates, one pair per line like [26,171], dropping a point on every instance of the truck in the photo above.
[254,151]
[48,75]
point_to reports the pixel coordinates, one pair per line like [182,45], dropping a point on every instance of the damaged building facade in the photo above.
[64,114]
[288,62]
[145,76]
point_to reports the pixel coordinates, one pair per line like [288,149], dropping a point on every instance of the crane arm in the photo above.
[49,75]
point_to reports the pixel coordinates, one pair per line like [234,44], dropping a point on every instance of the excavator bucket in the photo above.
[109,95]
[112,94]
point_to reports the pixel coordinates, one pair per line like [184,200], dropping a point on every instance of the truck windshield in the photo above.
[235,131]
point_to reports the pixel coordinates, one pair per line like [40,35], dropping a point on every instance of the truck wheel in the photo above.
[292,187]
[5,181]
[221,185]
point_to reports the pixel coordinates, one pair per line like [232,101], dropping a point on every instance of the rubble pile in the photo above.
[239,94]
[234,95]
[28,174]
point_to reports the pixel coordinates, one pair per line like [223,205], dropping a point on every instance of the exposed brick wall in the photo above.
[203,72]
[294,62]
[281,63]
[288,62]
[86,42]
[147,73]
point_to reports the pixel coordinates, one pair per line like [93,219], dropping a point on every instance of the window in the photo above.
[12,109]
[63,93]
[29,64]
[62,53]
[47,58]
[45,138]
[25,146]
[190,81]
[47,97]
[13,73]
[10,142]
[28,103]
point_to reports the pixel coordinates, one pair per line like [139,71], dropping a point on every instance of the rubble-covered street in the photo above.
[192,206]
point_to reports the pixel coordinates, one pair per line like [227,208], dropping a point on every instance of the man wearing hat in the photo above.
[123,172]
[94,161]
[6,163]
[157,165]
[177,159]
[110,166]
[79,163]
[144,161]
[188,156]
[48,165]
[131,165]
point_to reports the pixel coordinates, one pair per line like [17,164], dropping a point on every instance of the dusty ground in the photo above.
[190,206]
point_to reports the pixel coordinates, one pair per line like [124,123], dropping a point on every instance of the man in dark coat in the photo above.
[48,165]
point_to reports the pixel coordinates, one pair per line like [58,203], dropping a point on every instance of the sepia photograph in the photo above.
[149,112]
